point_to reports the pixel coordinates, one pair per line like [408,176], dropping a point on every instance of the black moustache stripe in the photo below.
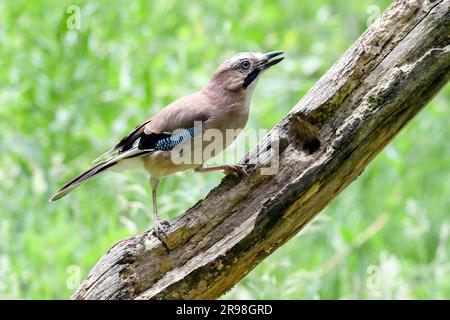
[251,77]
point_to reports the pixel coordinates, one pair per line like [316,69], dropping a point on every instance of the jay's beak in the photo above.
[268,62]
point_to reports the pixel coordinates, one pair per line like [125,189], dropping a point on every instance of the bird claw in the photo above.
[160,228]
[236,170]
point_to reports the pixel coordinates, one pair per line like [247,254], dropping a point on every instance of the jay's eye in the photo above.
[245,64]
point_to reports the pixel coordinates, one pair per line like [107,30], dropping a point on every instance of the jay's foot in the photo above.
[235,169]
[160,228]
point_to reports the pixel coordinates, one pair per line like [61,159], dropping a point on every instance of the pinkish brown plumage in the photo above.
[222,104]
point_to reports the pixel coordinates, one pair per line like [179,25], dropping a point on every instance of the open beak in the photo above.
[268,62]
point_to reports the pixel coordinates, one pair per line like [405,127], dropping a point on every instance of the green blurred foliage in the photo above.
[68,95]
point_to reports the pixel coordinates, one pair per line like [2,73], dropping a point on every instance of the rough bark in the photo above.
[357,107]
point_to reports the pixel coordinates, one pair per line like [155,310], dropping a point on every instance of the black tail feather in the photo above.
[81,178]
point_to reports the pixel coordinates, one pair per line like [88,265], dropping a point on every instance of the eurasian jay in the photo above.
[223,104]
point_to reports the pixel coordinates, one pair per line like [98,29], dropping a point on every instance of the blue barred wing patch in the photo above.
[184,136]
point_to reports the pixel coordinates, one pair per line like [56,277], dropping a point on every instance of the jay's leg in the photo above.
[235,169]
[159,225]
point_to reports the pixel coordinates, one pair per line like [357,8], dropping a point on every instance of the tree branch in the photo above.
[357,107]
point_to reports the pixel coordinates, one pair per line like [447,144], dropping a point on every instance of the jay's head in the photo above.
[242,71]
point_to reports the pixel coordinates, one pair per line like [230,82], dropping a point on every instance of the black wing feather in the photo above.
[127,142]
